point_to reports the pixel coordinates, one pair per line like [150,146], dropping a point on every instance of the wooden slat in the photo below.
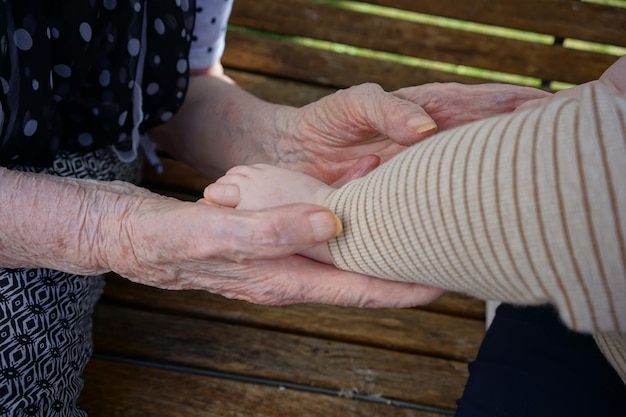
[564,19]
[458,305]
[407,330]
[279,90]
[177,177]
[123,390]
[321,21]
[277,356]
[281,58]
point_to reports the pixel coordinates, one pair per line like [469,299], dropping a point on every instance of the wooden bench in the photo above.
[160,353]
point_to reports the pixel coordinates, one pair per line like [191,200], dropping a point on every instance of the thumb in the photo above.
[402,120]
[282,231]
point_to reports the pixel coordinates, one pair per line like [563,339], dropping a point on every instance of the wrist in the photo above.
[220,125]
[301,145]
[282,144]
[107,209]
[58,223]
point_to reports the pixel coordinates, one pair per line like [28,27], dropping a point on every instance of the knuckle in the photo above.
[271,235]
[260,237]
[364,89]
[370,87]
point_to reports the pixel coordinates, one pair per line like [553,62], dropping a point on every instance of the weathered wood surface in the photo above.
[560,18]
[183,340]
[326,22]
[267,354]
[118,389]
[283,59]
[408,330]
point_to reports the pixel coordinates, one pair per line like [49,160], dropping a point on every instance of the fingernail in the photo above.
[325,226]
[421,124]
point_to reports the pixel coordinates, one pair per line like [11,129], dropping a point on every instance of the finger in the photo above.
[295,279]
[361,168]
[401,120]
[354,290]
[273,233]
[227,195]
[453,104]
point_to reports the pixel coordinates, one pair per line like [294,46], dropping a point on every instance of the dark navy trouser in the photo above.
[531,365]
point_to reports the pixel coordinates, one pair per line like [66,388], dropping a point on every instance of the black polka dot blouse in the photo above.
[84,74]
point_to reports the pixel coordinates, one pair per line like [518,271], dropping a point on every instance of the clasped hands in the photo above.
[249,255]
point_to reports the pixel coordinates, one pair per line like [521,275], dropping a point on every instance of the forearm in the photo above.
[58,223]
[220,125]
[521,209]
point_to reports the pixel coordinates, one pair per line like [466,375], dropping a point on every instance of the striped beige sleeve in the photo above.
[524,208]
[613,345]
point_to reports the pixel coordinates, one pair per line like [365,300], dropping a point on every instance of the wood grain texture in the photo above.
[121,390]
[281,58]
[322,21]
[263,353]
[564,19]
[279,90]
[406,330]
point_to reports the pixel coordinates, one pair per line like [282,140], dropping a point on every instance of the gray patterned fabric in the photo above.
[45,340]
[45,315]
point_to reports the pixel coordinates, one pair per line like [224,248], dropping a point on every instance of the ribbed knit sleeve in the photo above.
[525,208]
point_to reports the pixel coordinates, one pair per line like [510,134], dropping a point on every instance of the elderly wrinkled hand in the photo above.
[168,243]
[452,104]
[247,255]
[329,135]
